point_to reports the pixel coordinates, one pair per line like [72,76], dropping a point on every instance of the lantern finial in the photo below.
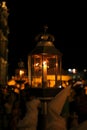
[21,64]
[45,28]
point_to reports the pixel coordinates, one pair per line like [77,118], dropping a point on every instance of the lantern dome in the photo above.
[45,44]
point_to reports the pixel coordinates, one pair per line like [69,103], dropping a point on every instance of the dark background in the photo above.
[66,21]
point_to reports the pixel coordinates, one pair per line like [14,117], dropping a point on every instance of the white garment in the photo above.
[58,124]
[54,119]
[29,122]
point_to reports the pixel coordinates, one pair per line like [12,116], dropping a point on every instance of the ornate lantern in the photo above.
[44,62]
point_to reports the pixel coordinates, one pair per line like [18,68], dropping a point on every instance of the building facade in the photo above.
[4,31]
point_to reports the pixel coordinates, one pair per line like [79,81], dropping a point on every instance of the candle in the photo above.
[21,72]
[44,71]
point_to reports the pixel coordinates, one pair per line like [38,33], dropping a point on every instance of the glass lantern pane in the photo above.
[44,70]
[36,70]
[51,70]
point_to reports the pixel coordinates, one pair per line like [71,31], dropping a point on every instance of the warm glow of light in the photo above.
[50,80]
[37,64]
[21,72]
[44,71]
[11,82]
[44,63]
[16,90]
[4,5]
[74,71]
[22,86]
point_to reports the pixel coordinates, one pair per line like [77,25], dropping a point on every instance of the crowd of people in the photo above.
[18,111]
[65,112]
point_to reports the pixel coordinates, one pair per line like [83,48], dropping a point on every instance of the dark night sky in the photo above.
[68,25]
